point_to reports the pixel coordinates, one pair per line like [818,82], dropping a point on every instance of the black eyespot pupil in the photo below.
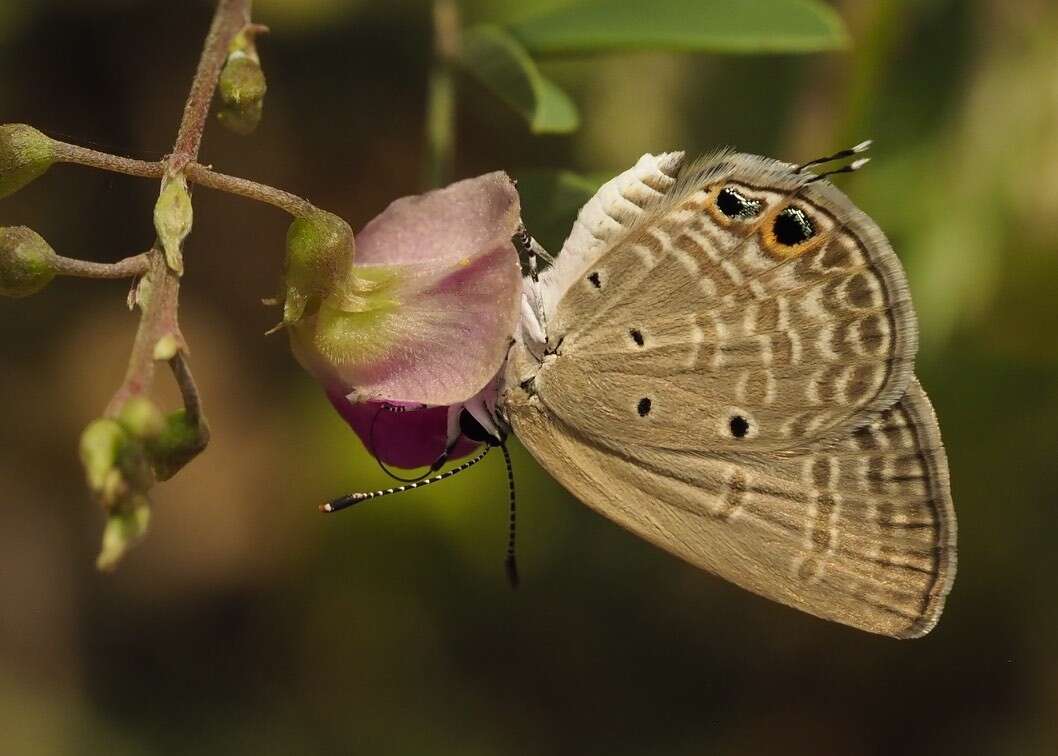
[792,227]
[734,205]
[643,407]
[595,280]
[637,336]
[739,426]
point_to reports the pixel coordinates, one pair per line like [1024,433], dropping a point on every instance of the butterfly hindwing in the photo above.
[859,531]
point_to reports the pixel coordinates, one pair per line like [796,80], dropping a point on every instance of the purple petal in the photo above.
[402,439]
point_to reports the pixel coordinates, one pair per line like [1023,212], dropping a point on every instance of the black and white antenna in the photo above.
[349,500]
[840,155]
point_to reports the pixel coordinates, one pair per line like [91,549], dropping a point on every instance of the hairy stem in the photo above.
[71,153]
[441,96]
[231,17]
[291,203]
[130,267]
[158,293]
[196,173]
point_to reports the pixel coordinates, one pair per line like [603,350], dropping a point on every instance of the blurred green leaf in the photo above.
[497,60]
[550,201]
[730,26]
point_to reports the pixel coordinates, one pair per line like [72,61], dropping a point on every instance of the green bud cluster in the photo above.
[27,262]
[25,155]
[123,457]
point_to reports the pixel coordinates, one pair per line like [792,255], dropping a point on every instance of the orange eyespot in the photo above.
[792,231]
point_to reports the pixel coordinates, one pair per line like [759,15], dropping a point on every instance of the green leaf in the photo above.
[550,201]
[498,61]
[729,26]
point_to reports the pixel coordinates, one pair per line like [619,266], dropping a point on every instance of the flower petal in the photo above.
[444,226]
[429,318]
[402,439]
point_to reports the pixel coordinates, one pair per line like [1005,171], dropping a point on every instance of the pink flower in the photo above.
[423,320]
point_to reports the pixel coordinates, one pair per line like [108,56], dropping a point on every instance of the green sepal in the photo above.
[320,250]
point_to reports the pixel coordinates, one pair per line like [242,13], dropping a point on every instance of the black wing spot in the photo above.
[792,227]
[637,336]
[739,426]
[643,408]
[735,205]
[595,280]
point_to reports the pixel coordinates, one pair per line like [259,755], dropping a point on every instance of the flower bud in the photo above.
[103,444]
[27,262]
[124,529]
[25,155]
[320,250]
[242,84]
[242,89]
[180,441]
[173,216]
[142,418]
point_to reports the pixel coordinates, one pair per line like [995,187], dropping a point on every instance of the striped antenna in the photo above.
[855,165]
[861,147]
[355,498]
[510,562]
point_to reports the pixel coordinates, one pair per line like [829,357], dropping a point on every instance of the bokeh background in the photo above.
[249,624]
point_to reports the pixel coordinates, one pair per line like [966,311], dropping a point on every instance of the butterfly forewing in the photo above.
[748,308]
[860,531]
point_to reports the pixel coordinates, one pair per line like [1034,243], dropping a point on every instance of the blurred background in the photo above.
[249,624]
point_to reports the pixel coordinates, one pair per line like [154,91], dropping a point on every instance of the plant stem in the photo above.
[71,153]
[196,173]
[130,267]
[189,392]
[291,203]
[231,17]
[158,293]
[441,95]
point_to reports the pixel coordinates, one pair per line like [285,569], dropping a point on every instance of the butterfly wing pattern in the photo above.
[723,363]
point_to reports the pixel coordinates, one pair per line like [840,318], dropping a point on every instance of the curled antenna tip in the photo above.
[863,146]
[326,507]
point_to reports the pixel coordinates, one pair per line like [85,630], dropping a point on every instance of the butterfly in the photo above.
[721,360]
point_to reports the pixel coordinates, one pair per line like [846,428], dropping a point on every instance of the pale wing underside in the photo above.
[861,531]
[606,217]
[709,317]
